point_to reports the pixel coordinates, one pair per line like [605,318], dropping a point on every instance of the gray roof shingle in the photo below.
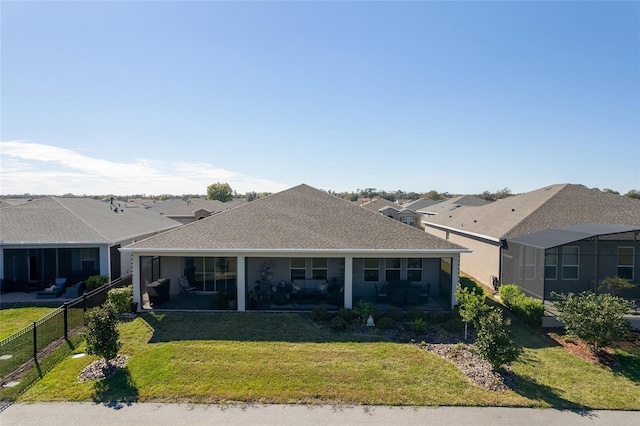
[68,220]
[553,206]
[300,218]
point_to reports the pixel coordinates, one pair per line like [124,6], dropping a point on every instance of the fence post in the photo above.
[84,303]
[66,321]
[35,342]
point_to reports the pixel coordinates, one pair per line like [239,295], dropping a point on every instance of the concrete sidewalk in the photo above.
[82,413]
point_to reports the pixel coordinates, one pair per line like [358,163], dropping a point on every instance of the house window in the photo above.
[414,270]
[529,263]
[625,263]
[88,259]
[319,268]
[408,220]
[392,269]
[570,262]
[371,270]
[298,268]
[551,264]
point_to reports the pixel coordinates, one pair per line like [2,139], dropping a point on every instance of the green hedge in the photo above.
[466,282]
[121,299]
[529,309]
[96,281]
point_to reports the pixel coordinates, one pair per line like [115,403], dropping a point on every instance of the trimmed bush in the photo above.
[436,317]
[386,323]
[121,299]
[96,281]
[453,325]
[338,324]
[362,310]
[319,314]
[415,312]
[418,325]
[529,309]
[495,341]
[101,333]
[394,313]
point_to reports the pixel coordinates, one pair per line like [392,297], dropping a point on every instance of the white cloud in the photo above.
[44,169]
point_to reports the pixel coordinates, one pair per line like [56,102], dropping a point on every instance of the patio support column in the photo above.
[242,284]
[348,282]
[455,278]
[103,256]
[136,279]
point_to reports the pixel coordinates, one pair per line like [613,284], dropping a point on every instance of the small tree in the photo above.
[495,340]
[597,319]
[471,307]
[102,334]
[96,281]
[219,191]
[615,285]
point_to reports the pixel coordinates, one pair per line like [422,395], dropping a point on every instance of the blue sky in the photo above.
[168,97]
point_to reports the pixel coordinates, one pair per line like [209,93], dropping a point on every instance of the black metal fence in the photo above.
[30,342]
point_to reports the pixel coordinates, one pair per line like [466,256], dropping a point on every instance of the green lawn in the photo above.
[286,358]
[13,320]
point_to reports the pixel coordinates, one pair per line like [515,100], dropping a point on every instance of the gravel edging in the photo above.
[100,369]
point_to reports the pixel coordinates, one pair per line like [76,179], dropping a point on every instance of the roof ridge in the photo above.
[57,200]
[564,186]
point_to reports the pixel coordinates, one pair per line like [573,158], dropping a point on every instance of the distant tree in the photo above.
[433,195]
[219,191]
[634,193]
[611,191]
[493,196]
[250,196]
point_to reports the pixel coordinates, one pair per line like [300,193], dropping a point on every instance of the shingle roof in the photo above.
[179,207]
[300,218]
[379,203]
[65,220]
[553,206]
[420,203]
[453,203]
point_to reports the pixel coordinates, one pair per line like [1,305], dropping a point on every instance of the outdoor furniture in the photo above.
[75,290]
[397,296]
[424,292]
[382,293]
[55,290]
[412,295]
[158,291]
[186,287]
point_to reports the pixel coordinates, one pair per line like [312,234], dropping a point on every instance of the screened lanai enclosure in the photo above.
[572,259]
[294,283]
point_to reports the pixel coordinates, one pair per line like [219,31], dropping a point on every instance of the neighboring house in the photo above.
[493,230]
[394,211]
[451,204]
[420,203]
[71,238]
[187,211]
[301,234]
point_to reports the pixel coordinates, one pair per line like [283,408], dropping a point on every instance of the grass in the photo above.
[286,358]
[14,320]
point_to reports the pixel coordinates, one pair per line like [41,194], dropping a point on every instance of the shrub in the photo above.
[453,325]
[471,285]
[495,341]
[386,323]
[394,313]
[471,307]
[596,319]
[96,281]
[436,317]
[615,285]
[121,298]
[362,310]
[529,309]
[319,314]
[338,324]
[101,332]
[418,325]
[415,312]
[347,314]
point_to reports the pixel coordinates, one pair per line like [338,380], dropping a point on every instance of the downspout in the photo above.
[595,281]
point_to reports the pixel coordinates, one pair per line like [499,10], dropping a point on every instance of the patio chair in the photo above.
[397,295]
[185,287]
[382,293]
[413,295]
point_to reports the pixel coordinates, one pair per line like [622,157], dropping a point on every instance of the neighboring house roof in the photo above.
[453,203]
[175,207]
[77,220]
[420,203]
[300,218]
[549,207]
[554,237]
[379,203]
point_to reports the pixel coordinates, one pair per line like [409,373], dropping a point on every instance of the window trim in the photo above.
[571,265]
[365,269]
[555,253]
[421,269]
[632,266]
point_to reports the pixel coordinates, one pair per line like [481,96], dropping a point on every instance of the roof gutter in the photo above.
[473,234]
[294,250]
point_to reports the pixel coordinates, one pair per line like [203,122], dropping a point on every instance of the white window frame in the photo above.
[633,261]
[314,268]
[421,269]
[387,268]
[366,268]
[548,254]
[571,265]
